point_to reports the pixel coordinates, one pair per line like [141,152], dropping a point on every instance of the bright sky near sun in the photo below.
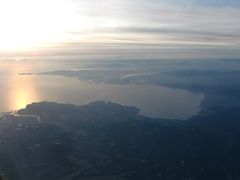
[191,25]
[29,23]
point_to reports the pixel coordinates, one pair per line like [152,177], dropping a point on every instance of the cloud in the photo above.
[189,27]
[161,23]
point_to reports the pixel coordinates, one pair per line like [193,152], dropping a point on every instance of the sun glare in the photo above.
[32,23]
[23,98]
[22,90]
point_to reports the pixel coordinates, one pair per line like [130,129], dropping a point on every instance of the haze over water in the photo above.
[152,100]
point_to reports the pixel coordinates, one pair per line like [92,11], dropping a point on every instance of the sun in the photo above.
[32,23]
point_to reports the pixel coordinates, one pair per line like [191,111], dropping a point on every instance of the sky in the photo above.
[120,28]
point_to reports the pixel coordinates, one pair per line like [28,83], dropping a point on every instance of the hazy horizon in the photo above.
[119,89]
[154,29]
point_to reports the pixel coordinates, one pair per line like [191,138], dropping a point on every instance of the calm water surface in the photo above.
[155,101]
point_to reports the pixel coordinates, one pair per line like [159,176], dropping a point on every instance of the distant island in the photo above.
[107,141]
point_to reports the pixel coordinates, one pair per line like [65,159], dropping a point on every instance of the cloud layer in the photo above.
[176,28]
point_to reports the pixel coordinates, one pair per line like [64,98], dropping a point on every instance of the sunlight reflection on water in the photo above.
[152,100]
[155,101]
[17,91]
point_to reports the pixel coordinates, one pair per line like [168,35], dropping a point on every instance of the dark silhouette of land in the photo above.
[108,141]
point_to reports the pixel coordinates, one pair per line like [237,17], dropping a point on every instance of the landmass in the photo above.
[108,141]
